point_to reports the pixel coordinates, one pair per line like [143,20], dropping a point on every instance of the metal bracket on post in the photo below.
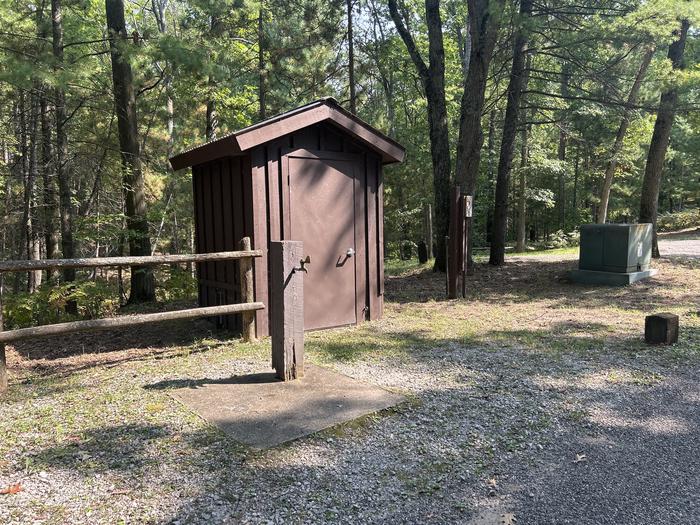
[287,308]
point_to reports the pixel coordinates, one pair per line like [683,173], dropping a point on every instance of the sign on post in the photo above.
[468,201]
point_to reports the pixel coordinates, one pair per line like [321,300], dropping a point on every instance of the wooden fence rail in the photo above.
[247,306]
[97,262]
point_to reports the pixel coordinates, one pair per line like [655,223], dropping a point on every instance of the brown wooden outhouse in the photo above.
[313,174]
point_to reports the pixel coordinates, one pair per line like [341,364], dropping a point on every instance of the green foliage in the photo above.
[178,285]
[560,239]
[671,222]
[47,305]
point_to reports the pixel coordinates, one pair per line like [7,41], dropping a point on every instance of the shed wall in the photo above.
[223,216]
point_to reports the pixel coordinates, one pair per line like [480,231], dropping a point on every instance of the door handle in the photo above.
[350,252]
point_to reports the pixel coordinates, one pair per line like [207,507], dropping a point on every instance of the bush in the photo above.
[671,222]
[179,285]
[559,239]
[47,305]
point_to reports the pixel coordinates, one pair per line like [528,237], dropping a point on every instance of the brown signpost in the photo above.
[287,269]
[458,244]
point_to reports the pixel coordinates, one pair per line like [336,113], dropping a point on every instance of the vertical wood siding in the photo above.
[222,219]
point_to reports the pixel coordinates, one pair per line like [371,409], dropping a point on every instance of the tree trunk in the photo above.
[620,137]
[212,119]
[433,80]
[159,7]
[649,202]
[51,217]
[351,60]
[521,230]
[61,158]
[142,280]
[510,125]
[31,229]
[565,77]
[484,25]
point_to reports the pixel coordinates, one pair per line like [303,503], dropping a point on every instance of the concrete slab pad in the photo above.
[262,412]
[609,278]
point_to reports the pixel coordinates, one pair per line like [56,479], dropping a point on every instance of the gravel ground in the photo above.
[683,244]
[638,459]
[505,388]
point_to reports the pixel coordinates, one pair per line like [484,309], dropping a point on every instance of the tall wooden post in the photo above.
[3,361]
[428,228]
[247,290]
[287,308]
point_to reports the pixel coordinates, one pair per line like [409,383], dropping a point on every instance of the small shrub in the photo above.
[177,284]
[559,239]
[47,305]
[681,220]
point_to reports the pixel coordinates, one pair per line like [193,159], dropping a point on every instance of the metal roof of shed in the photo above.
[326,109]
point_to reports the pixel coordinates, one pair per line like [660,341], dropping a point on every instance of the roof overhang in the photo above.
[273,128]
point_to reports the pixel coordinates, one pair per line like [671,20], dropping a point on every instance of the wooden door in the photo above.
[321,211]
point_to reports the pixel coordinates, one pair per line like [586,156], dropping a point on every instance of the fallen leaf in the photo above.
[580,458]
[12,489]
[508,519]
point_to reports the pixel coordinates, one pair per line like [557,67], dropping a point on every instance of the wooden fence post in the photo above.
[247,291]
[287,308]
[3,360]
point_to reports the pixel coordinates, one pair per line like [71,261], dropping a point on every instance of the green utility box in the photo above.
[618,248]
[614,254]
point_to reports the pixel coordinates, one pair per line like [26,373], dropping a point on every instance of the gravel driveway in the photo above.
[635,462]
[686,244]
[532,397]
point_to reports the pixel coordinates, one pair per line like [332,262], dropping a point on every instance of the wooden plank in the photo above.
[274,200]
[259,218]
[146,260]
[124,321]
[222,147]
[196,200]
[250,138]
[247,291]
[236,211]
[380,231]
[285,188]
[205,244]
[229,240]
[217,218]
[372,273]
[287,294]
[360,240]
[390,150]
